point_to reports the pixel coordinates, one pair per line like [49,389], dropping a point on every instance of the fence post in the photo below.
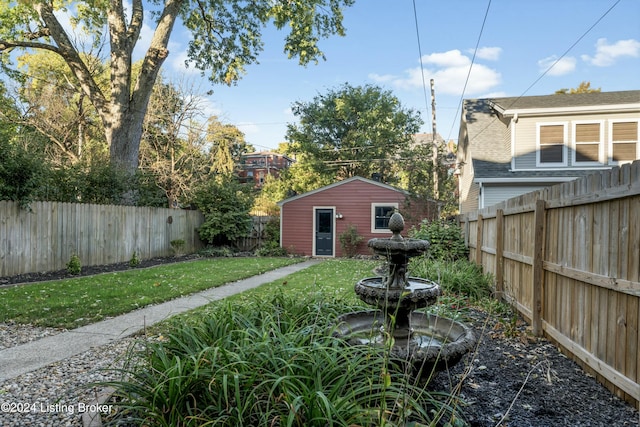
[479,240]
[499,273]
[538,267]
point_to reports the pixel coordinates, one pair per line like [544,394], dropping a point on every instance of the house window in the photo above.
[588,146]
[552,149]
[623,141]
[380,214]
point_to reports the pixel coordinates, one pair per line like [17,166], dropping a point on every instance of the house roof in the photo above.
[566,101]
[339,183]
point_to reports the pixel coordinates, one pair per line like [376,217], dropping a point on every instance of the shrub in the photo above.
[349,240]
[134,261]
[74,266]
[216,251]
[225,204]
[178,246]
[271,243]
[445,238]
[264,363]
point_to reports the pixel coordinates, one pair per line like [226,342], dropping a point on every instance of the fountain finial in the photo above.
[396,225]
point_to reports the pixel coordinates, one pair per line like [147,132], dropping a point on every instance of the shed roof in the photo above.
[339,183]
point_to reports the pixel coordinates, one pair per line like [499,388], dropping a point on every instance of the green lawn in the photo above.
[80,301]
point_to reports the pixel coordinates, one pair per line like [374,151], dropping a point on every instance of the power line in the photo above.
[475,51]
[552,65]
[424,84]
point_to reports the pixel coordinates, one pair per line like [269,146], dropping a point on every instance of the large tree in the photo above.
[225,37]
[353,130]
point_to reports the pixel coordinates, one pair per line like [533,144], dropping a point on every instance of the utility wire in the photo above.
[473,59]
[552,65]
[424,84]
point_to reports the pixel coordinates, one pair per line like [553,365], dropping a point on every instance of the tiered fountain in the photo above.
[428,342]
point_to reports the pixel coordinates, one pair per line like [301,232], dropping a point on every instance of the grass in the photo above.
[75,302]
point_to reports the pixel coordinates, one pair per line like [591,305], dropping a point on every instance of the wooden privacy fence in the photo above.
[568,258]
[45,237]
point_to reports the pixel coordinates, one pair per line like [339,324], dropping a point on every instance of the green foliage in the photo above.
[350,240]
[225,205]
[178,246]
[134,261]
[217,251]
[460,277]
[271,240]
[74,266]
[445,238]
[352,131]
[269,362]
[226,36]
[21,173]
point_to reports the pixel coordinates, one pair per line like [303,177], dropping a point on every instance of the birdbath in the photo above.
[428,341]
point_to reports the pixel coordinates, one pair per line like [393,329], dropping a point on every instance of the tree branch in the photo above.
[67,51]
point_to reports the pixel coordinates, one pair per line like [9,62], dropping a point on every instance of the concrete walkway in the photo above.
[18,360]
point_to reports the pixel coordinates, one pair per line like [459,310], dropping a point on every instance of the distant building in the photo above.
[257,166]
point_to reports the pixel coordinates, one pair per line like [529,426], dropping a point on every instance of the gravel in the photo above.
[57,394]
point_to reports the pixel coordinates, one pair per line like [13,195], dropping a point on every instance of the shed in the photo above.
[311,223]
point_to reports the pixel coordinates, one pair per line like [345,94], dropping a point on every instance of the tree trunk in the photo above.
[123,134]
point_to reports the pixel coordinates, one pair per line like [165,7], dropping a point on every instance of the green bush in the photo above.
[271,240]
[216,251]
[350,240]
[178,246]
[225,204]
[135,260]
[445,238]
[263,363]
[74,266]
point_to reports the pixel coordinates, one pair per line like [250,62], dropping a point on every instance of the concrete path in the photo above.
[15,361]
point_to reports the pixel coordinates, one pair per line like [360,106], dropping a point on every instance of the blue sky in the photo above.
[519,42]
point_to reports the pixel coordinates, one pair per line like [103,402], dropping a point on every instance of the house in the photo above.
[511,146]
[311,223]
[255,167]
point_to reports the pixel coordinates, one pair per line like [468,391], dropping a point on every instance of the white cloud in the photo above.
[452,58]
[606,54]
[488,53]
[559,67]
[449,70]
[382,78]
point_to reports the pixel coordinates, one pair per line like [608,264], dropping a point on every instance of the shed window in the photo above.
[381,212]
[624,141]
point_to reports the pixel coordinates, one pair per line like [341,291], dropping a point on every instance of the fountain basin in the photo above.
[417,293]
[434,343]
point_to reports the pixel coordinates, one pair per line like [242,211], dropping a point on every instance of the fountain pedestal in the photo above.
[428,342]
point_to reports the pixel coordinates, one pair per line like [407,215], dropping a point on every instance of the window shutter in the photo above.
[588,132]
[624,138]
[625,131]
[553,134]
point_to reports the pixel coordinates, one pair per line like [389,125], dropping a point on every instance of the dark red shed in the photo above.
[311,223]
